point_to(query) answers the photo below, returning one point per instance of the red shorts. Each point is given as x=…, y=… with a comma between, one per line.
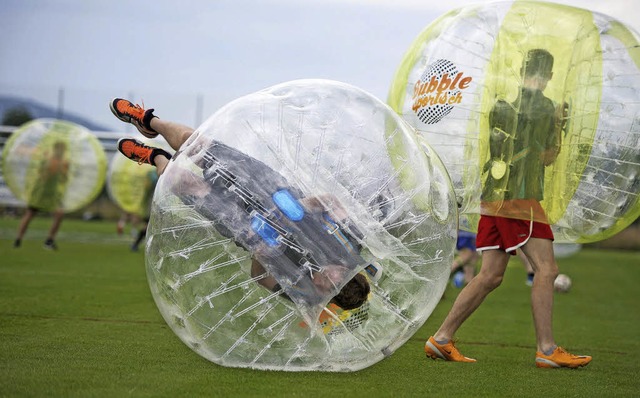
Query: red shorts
x=508, y=234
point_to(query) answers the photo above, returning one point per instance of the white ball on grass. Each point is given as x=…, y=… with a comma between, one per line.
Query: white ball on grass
x=562, y=284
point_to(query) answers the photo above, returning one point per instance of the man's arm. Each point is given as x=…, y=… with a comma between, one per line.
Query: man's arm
x=337, y=213
x=64, y=172
x=267, y=280
x=321, y=202
x=550, y=154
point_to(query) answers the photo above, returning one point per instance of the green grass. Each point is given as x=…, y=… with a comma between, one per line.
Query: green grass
x=81, y=322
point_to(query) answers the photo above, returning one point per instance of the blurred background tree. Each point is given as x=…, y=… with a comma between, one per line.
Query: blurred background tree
x=16, y=116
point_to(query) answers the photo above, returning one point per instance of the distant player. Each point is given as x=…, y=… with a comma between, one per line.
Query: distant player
x=463, y=268
x=46, y=192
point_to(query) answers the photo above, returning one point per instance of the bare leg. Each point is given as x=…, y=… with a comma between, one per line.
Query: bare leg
x=525, y=262
x=257, y=270
x=470, y=269
x=122, y=222
x=161, y=163
x=494, y=264
x=58, y=215
x=142, y=233
x=186, y=182
x=467, y=259
x=540, y=255
x=176, y=134
x=24, y=223
x=461, y=260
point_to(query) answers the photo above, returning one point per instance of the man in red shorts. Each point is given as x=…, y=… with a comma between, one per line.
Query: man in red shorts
x=525, y=138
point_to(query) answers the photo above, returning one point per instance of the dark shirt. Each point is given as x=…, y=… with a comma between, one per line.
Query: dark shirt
x=241, y=203
x=47, y=187
x=520, y=133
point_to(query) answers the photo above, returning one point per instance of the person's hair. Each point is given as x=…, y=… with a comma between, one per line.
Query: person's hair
x=537, y=62
x=60, y=146
x=354, y=293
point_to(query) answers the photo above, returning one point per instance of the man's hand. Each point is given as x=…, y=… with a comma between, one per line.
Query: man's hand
x=561, y=116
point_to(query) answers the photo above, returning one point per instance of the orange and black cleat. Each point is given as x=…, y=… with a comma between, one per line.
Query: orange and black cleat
x=132, y=113
x=139, y=152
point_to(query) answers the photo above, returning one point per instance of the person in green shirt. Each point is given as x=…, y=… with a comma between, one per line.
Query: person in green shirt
x=525, y=138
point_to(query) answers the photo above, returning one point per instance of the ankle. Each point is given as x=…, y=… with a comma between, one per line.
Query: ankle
x=441, y=339
x=148, y=117
x=158, y=152
x=548, y=350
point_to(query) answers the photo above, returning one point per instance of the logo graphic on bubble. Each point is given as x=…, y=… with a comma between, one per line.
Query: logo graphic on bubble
x=438, y=90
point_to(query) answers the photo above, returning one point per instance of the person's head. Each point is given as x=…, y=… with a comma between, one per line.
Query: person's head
x=537, y=69
x=59, y=148
x=538, y=62
x=353, y=294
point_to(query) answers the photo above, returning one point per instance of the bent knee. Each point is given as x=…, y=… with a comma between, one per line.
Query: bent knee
x=547, y=268
x=550, y=272
x=490, y=282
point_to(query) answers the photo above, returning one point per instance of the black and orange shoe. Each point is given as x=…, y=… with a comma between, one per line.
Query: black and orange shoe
x=139, y=152
x=132, y=113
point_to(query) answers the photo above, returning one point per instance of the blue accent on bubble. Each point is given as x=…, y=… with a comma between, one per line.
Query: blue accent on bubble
x=266, y=231
x=288, y=205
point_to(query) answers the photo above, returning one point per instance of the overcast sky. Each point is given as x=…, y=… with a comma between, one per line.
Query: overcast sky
x=169, y=52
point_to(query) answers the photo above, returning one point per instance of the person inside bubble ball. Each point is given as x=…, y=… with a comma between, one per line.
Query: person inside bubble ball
x=240, y=213
x=463, y=267
x=526, y=134
x=46, y=193
x=143, y=221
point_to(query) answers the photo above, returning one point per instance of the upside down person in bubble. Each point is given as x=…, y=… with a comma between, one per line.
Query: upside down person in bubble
x=525, y=138
x=254, y=206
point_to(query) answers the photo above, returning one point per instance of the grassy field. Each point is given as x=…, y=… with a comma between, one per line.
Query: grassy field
x=81, y=322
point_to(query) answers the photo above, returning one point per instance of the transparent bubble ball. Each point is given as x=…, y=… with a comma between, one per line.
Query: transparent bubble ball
x=54, y=164
x=315, y=180
x=464, y=62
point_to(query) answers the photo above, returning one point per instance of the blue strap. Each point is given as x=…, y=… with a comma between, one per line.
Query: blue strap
x=266, y=231
x=288, y=205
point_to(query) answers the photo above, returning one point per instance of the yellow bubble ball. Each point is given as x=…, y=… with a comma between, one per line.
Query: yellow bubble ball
x=53, y=164
x=533, y=107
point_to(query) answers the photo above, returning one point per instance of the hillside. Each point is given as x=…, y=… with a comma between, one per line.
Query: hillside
x=39, y=110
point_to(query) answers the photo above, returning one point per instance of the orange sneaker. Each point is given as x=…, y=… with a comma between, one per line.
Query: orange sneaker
x=132, y=113
x=448, y=351
x=560, y=358
x=139, y=152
